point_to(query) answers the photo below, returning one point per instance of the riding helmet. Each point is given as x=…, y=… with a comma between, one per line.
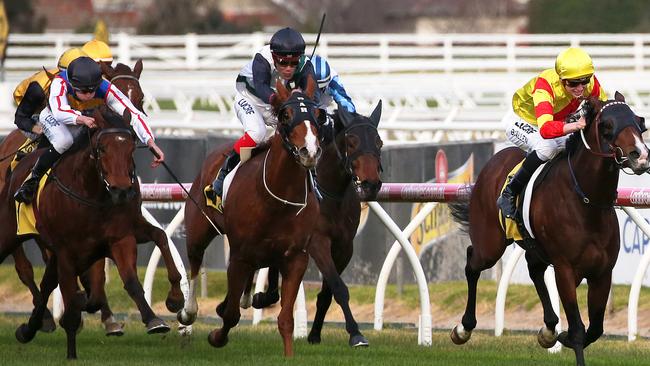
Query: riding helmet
x=68, y=56
x=574, y=63
x=287, y=41
x=84, y=74
x=98, y=51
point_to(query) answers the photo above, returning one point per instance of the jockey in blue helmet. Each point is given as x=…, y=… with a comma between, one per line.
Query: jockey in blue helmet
x=330, y=85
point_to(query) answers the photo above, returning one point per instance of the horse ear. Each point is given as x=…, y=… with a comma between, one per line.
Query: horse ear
x=311, y=87
x=641, y=122
x=107, y=70
x=281, y=96
x=126, y=116
x=345, y=116
x=137, y=69
x=376, y=114
x=619, y=97
x=49, y=74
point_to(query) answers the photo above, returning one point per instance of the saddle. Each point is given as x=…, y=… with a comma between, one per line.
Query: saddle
x=211, y=199
x=26, y=213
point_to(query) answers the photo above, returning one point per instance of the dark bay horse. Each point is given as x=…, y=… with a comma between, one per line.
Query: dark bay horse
x=94, y=184
x=127, y=81
x=348, y=172
x=572, y=219
x=269, y=214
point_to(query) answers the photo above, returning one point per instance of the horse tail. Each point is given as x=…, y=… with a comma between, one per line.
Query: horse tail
x=460, y=210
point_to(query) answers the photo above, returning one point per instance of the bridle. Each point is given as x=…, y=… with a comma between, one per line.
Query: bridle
x=137, y=81
x=304, y=109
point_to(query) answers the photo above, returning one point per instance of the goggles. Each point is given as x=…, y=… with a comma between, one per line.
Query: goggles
x=572, y=83
x=85, y=89
x=286, y=60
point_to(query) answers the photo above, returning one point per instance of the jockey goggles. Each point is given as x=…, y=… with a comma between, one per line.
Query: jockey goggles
x=84, y=89
x=286, y=60
x=572, y=83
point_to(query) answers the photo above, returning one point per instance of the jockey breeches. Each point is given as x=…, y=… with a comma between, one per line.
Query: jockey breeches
x=527, y=137
x=60, y=135
x=254, y=115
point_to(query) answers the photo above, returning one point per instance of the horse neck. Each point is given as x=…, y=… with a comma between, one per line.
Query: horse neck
x=332, y=176
x=284, y=176
x=77, y=169
x=597, y=176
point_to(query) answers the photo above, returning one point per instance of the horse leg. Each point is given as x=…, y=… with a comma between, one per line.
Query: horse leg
x=547, y=336
x=265, y=299
x=93, y=281
x=26, y=274
x=246, y=298
x=320, y=251
x=199, y=235
x=124, y=255
x=238, y=274
x=38, y=318
x=575, y=337
x=175, y=300
x=74, y=301
x=292, y=273
x=477, y=261
x=597, y=303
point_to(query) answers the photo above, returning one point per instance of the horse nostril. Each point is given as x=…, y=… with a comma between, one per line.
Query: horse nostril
x=634, y=155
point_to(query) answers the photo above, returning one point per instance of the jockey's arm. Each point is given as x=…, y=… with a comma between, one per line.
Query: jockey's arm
x=340, y=96
x=262, y=78
x=118, y=102
x=33, y=99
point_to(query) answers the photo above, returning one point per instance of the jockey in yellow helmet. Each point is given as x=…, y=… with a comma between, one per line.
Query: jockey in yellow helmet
x=30, y=94
x=541, y=107
x=98, y=51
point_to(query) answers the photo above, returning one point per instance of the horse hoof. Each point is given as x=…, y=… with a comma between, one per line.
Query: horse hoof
x=216, y=339
x=48, y=325
x=24, y=334
x=174, y=305
x=358, y=341
x=546, y=337
x=245, y=301
x=314, y=338
x=459, y=335
x=114, y=329
x=157, y=325
x=186, y=318
x=564, y=339
x=263, y=300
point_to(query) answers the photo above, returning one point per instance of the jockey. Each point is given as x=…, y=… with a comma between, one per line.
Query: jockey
x=98, y=51
x=77, y=89
x=283, y=59
x=30, y=95
x=330, y=85
x=542, y=106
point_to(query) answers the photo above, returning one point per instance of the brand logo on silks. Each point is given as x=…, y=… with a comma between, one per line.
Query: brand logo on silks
x=439, y=222
x=633, y=240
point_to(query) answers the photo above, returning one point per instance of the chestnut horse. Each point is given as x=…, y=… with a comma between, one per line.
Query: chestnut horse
x=127, y=81
x=94, y=183
x=269, y=214
x=572, y=218
x=348, y=172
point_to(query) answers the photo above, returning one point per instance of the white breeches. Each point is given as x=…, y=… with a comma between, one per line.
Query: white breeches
x=527, y=137
x=254, y=115
x=60, y=135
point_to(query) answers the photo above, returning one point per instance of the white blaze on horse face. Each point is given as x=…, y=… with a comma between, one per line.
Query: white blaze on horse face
x=310, y=140
x=643, y=150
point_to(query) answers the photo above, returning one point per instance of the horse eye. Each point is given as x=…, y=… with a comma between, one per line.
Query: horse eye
x=379, y=142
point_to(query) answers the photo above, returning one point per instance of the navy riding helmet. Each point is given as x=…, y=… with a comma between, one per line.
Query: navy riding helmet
x=287, y=42
x=84, y=74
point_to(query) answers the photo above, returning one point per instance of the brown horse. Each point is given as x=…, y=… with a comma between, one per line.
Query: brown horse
x=127, y=81
x=348, y=171
x=572, y=218
x=269, y=214
x=94, y=183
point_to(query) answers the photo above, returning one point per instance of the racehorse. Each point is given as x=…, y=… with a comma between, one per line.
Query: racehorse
x=572, y=218
x=94, y=183
x=269, y=213
x=349, y=171
x=127, y=81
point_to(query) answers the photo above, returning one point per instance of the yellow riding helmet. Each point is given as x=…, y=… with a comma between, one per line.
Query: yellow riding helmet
x=98, y=51
x=68, y=56
x=574, y=63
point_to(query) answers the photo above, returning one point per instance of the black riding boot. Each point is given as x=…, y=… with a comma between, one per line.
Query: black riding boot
x=507, y=201
x=232, y=159
x=26, y=192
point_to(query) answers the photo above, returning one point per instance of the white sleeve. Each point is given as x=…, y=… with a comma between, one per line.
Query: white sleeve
x=118, y=102
x=58, y=101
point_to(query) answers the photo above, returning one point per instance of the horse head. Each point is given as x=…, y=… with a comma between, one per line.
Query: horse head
x=359, y=149
x=616, y=131
x=127, y=81
x=112, y=148
x=297, y=122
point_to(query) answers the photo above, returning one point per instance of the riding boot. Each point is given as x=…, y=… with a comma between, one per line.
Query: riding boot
x=232, y=159
x=507, y=201
x=26, y=192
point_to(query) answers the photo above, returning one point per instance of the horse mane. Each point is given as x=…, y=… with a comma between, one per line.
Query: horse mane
x=591, y=107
